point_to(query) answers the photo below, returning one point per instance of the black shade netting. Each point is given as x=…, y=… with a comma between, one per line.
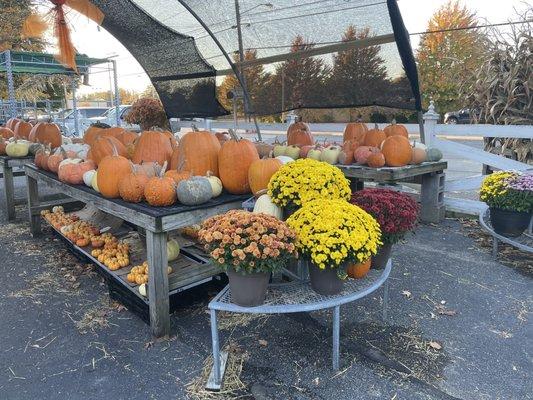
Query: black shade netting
x=298, y=54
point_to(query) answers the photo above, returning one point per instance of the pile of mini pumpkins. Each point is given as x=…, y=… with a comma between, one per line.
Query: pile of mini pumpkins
x=361, y=145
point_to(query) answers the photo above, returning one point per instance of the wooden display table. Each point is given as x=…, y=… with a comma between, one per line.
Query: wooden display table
x=157, y=222
x=429, y=174
x=8, y=163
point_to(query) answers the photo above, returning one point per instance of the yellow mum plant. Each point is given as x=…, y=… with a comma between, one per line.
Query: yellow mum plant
x=334, y=233
x=304, y=180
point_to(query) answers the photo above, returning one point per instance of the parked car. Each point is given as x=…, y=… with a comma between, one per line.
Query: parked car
x=66, y=120
x=109, y=117
x=463, y=116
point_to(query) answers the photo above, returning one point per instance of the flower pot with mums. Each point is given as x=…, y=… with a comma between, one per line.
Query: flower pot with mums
x=509, y=196
x=304, y=180
x=396, y=213
x=332, y=234
x=248, y=247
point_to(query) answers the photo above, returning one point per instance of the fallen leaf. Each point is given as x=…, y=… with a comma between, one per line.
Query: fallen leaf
x=406, y=293
x=435, y=345
x=147, y=345
x=443, y=302
x=263, y=342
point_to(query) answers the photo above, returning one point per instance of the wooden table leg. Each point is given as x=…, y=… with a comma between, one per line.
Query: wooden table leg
x=156, y=246
x=431, y=197
x=33, y=203
x=9, y=189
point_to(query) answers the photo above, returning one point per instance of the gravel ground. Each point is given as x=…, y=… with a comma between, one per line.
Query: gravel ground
x=459, y=328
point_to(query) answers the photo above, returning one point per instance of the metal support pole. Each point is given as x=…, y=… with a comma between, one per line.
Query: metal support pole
x=10, y=85
x=117, y=92
x=216, y=348
x=336, y=336
x=73, y=85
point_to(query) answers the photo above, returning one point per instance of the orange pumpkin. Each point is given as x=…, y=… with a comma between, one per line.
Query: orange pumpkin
x=376, y=160
x=197, y=152
x=73, y=172
x=178, y=176
x=222, y=137
x=111, y=170
x=55, y=159
x=3, y=145
x=299, y=134
x=350, y=145
x=11, y=123
x=23, y=129
x=355, y=131
x=172, y=138
x=131, y=187
x=127, y=138
x=44, y=132
x=374, y=137
x=5, y=132
x=104, y=146
x=396, y=129
x=234, y=160
x=346, y=157
x=358, y=271
x=261, y=171
x=41, y=157
x=93, y=131
x=160, y=190
x=150, y=169
x=362, y=153
x=152, y=146
x=397, y=151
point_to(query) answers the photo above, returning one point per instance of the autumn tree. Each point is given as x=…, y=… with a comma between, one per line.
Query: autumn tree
x=446, y=60
x=358, y=75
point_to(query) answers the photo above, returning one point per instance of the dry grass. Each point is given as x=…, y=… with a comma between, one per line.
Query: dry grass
x=233, y=387
x=230, y=321
x=42, y=285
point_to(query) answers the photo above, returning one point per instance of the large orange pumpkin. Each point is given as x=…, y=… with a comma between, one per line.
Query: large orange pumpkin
x=12, y=122
x=261, y=171
x=93, y=131
x=355, y=131
x=234, y=160
x=23, y=129
x=197, y=153
x=396, y=129
x=5, y=132
x=160, y=190
x=111, y=170
x=152, y=146
x=374, y=137
x=104, y=146
x=44, y=132
x=299, y=134
x=397, y=151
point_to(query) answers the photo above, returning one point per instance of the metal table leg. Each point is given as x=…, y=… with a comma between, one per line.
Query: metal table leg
x=33, y=203
x=214, y=382
x=9, y=189
x=156, y=248
x=494, y=248
x=336, y=336
x=385, y=300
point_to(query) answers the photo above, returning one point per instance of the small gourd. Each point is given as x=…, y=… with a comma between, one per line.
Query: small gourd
x=194, y=191
x=94, y=182
x=264, y=205
x=173, y=250
x=434, y=154
x=88, y=177
x=17, y=148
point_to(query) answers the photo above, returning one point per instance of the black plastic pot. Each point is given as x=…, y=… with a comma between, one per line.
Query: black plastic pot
x=509, y=223
x=325, y=281
x=248, y=290
x=379, y=261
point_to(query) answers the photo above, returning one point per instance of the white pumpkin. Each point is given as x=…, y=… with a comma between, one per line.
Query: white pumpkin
x=284, y=159
x=18, y=148
x=331, y=154
x=264, y=205
x=88, y=177
x=173, y=250
x=418, y=145
x=143, y=290
x=216, y=184
x=314, y=154
x=94, y=181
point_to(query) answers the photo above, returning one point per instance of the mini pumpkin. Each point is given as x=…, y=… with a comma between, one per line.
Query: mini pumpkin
x=397, y=151
x=358, y=271
x=194, y=191
x=216, y=184
x=434, y=154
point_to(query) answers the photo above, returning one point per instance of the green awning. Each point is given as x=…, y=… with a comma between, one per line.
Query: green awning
x=24, y=62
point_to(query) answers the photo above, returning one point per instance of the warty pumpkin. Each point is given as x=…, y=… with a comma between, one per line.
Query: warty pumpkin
x=160, y=190
x=397, y=151
x=5, y=132
x=104, y=146
x=234, y=160
x=355, y=131
x=22, y=129
x=111, y=170
x=396, y=129
x=299, y=134
x=152, y=146
x=376, y=160
x=131, y=187
x=260, y=172
x=197, y=152
x=374, y=137
x=44, y=132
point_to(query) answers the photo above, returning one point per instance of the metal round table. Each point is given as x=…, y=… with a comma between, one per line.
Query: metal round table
x=523, y=242
x=292, y=297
